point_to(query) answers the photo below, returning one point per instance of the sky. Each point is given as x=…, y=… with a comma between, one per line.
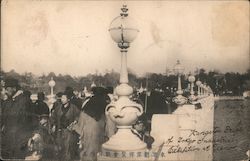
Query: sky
x=72, y=37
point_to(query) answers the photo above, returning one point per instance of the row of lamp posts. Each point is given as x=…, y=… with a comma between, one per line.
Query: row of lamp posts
x=203, y=89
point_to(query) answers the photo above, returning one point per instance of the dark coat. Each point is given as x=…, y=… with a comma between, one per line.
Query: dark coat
x=42, y=108
x=66, y=139
x=76, y=101
x=56, y=104
x=17, y=127
x=156, y=104
x=96, y=105
x=62, y=119
x=48, y=143
x=34, y=118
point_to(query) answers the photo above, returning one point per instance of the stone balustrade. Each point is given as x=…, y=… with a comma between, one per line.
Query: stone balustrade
x=187, y=134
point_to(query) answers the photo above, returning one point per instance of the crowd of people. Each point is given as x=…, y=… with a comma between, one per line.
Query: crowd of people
x=73, y=128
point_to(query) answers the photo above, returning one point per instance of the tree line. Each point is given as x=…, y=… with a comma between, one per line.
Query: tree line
x=229, y=83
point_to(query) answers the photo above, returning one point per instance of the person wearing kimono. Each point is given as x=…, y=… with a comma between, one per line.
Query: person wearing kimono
x=91, y=125
x=62, y=119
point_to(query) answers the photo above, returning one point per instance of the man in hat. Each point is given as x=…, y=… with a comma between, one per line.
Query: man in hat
x=62, y=119
x=73, y=98
x=140, y=130
x=58, y=102
x=16, y=128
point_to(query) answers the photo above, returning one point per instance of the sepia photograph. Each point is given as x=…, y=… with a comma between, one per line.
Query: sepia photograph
x=125, y=80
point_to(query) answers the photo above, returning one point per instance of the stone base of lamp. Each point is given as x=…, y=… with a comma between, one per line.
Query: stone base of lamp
x=142, y=155
x=124, y=140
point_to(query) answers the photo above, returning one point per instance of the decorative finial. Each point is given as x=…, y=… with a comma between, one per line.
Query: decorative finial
x=124, y=11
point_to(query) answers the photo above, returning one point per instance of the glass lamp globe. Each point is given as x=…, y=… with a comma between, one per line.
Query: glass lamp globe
x=123, y=29
x=52, y=83
x=198, y=83
x=178, y=69
x=191, y=78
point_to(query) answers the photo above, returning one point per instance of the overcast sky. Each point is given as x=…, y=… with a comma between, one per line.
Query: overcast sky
x=71, y=37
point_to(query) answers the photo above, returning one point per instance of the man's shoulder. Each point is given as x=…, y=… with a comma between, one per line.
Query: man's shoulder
x=43, y=104
x=22, y=98
x=57, y=108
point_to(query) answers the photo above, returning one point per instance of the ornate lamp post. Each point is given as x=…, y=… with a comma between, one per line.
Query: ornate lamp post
x=206, y=90
x=179, y=99
x=123, y=112
x=191, y=79
x=52, y=83
x=51, y=97
x=198, y=83
x=202, y=89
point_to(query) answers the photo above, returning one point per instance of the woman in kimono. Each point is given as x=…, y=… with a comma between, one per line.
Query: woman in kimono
x=62, y=119
x=91, y=124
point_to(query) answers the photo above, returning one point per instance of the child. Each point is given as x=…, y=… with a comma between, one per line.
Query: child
x=140, y=130
x=41, y=145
